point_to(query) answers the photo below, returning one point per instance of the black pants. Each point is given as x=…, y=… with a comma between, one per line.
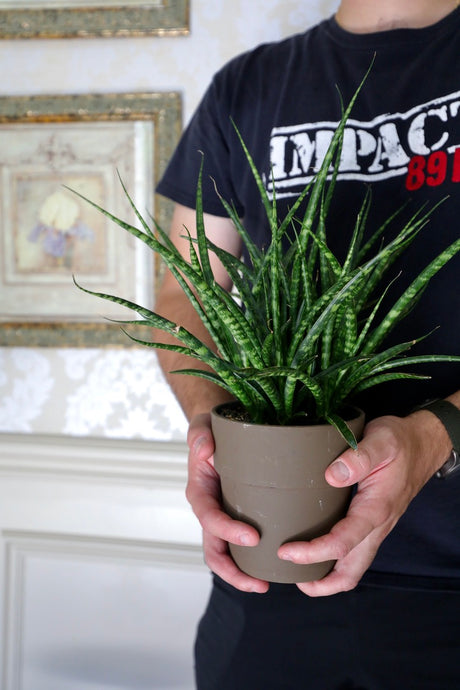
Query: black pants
x=373, y=638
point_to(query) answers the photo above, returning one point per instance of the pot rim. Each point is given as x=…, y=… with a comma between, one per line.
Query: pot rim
x=356, y=413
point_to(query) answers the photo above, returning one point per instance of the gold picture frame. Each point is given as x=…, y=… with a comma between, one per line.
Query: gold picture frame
x=48, y=234
x=93, y=18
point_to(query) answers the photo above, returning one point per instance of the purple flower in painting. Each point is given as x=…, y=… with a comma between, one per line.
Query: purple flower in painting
x=59, y=225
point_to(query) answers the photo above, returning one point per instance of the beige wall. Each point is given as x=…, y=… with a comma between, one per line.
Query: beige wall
x=121, y=393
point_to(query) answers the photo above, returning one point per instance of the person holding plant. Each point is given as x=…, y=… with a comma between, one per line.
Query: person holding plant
x=386, y=617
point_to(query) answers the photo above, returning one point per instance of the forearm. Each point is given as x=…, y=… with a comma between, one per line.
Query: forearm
x=194, y=394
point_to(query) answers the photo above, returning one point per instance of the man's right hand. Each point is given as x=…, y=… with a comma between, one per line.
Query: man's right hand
x=204, y=495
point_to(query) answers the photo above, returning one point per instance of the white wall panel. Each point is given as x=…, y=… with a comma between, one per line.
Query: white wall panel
x=101, y=571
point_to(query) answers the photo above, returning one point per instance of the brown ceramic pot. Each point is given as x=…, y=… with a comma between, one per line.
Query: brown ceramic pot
x=272, y=477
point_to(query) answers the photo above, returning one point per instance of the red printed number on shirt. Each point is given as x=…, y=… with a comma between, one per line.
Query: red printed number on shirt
x=432, y=170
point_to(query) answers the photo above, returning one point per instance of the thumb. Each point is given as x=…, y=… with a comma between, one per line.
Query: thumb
x=375, y=450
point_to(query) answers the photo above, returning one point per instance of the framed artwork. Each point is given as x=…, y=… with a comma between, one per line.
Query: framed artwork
x=89, y=18
x=48, y=234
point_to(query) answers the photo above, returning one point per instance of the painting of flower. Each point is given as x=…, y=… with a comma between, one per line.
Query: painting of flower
x=82, y=142
x=59, y=229
x=55, y=235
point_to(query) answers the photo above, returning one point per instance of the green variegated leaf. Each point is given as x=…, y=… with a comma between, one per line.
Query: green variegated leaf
x=420, y=359
x=373, y=381
x=408, y=298
x=343, y=429
x=303, y=331
x=201, y=232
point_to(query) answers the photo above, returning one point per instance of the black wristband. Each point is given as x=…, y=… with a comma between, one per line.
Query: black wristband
x=449, y=415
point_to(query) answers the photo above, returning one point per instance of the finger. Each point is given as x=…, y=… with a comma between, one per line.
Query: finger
x=346, y=573
x=200, y=439
x=221, y=563
x=377, y=448
x=203, y=488
x=364, y=516
x=335, y=545
x=217, y=523
x=204, y=495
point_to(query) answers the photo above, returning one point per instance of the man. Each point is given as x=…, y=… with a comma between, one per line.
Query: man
x=404, y=141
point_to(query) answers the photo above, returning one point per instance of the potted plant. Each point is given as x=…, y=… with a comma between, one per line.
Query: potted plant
x=302, y=335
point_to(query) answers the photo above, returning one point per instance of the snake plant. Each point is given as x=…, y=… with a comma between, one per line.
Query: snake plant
x=304, y=332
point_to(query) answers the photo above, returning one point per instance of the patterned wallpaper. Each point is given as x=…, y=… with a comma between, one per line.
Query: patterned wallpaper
x=115, y=392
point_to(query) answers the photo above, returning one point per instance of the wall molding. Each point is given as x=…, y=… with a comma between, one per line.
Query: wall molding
x=81, y=517
x=21, y=548
x=93, y=457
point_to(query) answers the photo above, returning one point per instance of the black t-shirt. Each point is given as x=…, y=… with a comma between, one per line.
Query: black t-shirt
x=402, y=140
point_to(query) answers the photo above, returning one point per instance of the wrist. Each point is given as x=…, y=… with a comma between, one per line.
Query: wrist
x=433, y=442
x=445, y=431
x=449, y=415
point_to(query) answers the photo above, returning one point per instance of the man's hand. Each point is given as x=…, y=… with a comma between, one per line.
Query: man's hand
x=393, y=462
x=203, y=493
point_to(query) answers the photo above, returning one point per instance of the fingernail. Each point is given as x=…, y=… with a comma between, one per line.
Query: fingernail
x=340, y=471
x=198, y=443
x=286, y=557
x=244, y=539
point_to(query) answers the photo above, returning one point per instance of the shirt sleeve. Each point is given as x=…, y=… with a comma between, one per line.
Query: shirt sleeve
x=207, y=140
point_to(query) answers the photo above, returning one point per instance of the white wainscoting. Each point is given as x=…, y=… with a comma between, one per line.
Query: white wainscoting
x=101, y=572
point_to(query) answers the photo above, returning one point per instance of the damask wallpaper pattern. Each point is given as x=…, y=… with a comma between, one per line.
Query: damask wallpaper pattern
x=115, y=392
